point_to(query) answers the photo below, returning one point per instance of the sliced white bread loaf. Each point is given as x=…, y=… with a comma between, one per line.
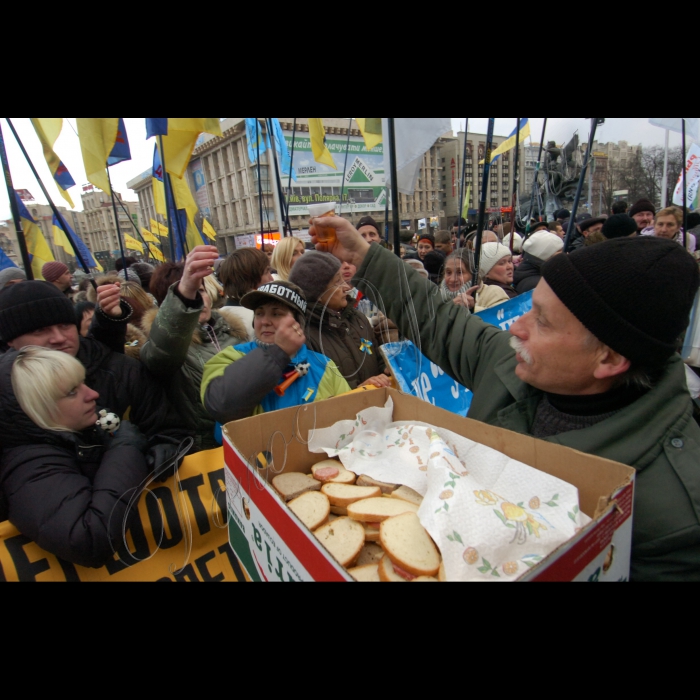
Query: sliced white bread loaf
x=343, y=495
x=292, y=485
x=387, y=573
x=376, y=510
x=332, y=472
x=403, y=493
x=371, y=554
x=366, y=574
x=313, y=509
x=369, y=481
x=409, y=546
x=344, y=539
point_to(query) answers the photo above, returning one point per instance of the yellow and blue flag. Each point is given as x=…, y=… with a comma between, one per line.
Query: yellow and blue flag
x=121, y=150
x=318, y=143
x=159, y=186
x=98, y=138
x=509, y=143
x=282, y=149
x=156, y=127
x=255, y=138
x=63, y=237
x=5, y=262
x=48, y=130
x=37, y=247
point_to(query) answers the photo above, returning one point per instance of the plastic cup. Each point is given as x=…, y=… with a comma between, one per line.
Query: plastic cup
x=320, y=211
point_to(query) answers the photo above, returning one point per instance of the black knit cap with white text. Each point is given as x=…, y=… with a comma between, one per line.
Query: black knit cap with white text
x=634, y=294
x=284, y=292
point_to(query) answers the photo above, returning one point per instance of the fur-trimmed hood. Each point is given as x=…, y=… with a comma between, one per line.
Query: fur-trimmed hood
x=224, y=323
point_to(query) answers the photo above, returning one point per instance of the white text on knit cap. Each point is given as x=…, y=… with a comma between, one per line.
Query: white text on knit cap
x=285, y=293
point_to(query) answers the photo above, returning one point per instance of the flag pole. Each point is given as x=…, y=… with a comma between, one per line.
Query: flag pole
x=278, y=178
x=21, y=241
x=535, y=184
x=595, y=122
x=260, y=192
x=394, y=185
x=291, y=169
x=138, y=233
x=462, y=185
x=685, y=189
x=166, y=185
x=345, y=168
x=54, y=208
x=116, y=223
x=664, y=186
x=516, y=184
x=482, y=199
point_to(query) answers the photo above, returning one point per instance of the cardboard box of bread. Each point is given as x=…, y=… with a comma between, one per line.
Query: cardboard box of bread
x=295, y=515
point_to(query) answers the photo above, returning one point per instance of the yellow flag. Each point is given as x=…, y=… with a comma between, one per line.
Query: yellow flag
x=148, y=236
x=60, y=239
x=132, y=244
x=48, y=129
x=182, y=138
x=159, y=228
x=159, y=198
x=97, y=138
x=467, y=202
x=318, y=143
x=208, y=230
x=371, y=128
x=155, y=253
x=37, y=247
x=185, y=200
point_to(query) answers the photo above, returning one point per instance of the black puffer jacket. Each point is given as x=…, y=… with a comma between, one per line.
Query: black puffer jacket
x=339, y=336
x=527, y=275
x=67, y=492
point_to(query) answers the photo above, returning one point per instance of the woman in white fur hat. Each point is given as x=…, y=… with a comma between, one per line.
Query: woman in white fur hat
x=496, y=273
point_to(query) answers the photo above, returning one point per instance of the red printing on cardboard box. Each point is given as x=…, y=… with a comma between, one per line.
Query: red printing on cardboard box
x=572, y=562
x=311, y=554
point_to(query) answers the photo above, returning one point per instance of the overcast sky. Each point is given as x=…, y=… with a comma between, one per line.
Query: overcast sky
x=636, y=130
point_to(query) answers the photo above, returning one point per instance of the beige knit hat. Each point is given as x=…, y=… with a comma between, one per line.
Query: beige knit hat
x=491, y=255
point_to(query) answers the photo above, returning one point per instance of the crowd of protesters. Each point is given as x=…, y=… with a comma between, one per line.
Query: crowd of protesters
x=171, y=353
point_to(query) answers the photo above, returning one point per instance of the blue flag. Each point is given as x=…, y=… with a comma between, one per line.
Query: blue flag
x=5, y=262
x=78, y=242
x=157, y=165
x=156, y=127
x=282, y=149
x=254, y=136
x=506, y=314
x=121, y=150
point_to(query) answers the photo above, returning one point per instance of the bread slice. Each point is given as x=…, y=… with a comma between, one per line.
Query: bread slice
x=409, y=546
x=386, y=489
x=403, y=493
x=387, y=573
x=313, y=509
x=292, y=485
x=442, y=574
x=344, y=539
x=371, y=533
x=425, y=579
x=343, y=476
x=366, y=574
x=377, y=510
x=371, y=554
x=340, y=512
x=343, y=495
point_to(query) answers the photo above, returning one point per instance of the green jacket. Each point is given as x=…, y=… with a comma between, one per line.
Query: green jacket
x=656, y=435
x=176, y=352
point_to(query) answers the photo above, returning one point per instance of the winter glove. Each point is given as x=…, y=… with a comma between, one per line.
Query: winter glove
x=165, y=457
x=128, y=435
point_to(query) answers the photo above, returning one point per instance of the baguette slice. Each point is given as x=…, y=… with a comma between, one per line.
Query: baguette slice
x=377, y=510
x=387, y=573
x=343, y=495
x=409, y=495
x=344, y=539
x=313, y=509
x=409, y=546
x=366, y=574
x=292, y=485
x=386, y=489
x=344, y=476
x=370, y=554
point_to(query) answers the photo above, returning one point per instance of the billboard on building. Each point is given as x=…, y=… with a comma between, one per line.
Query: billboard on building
x=201, y=194
x=316, y=183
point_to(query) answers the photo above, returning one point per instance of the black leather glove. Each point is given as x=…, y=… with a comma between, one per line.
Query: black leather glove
x=128, y=435
x=165, y=456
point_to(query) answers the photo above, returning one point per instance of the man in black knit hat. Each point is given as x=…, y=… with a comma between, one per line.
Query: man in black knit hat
x=590, y=367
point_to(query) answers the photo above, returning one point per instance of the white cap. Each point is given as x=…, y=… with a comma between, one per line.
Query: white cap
x=491, y=255
x=543, y=245
x=517, y=245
